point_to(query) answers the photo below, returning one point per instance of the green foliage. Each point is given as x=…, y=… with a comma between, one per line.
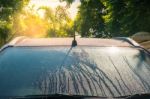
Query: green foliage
x=68, y=1
x=59, y=22
x=90, y=20
x=110, y=18
x=95, y=18
x=5, y=30
x=128, y=16
x=9, y=7
x=7, y=10
x=29, y=24
x=52, y=23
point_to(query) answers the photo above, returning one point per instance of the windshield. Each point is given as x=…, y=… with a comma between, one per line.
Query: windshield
x=90, y=71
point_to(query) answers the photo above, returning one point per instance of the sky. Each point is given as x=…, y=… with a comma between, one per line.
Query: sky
x=54, y=3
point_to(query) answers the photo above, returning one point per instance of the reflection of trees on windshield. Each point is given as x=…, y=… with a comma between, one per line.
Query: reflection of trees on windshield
x=84, y=76
x=142, y=58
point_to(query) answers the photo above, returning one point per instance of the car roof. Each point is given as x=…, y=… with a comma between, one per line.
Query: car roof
x=120, y=42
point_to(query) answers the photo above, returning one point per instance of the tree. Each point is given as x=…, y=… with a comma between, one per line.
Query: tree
x=90, y=20
x=59, y=22
x=53, y=23
x=105, y=18
x=28, y=23
x=137, y=18
x=116, y=11
x=128, y=16
x=4, y=31
x=7, y=10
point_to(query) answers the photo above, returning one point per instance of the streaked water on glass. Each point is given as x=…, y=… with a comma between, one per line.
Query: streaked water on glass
x=92, y=71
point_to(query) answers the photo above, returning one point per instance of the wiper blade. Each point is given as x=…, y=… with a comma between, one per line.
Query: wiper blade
x=139, y=96
x=63, y=96
x=136, y=96
x=58, y=96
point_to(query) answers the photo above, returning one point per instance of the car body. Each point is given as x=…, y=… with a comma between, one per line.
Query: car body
x=95, y=67
x=143, y=38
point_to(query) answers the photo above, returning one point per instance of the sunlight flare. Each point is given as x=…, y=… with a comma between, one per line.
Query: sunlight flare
x=73, y=9
x=113, y=50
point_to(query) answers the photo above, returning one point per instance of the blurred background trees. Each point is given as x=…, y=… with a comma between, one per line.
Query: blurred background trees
x=111, y=18
x=58, y=21
x=7, y=10
x=90, y=21
x=127, y=17
x=95, y=18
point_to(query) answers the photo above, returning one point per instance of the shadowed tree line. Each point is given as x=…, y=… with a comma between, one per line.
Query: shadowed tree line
x=111, y=18
x=95, y=18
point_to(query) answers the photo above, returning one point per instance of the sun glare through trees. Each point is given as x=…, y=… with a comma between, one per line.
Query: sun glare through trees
x=61, y=18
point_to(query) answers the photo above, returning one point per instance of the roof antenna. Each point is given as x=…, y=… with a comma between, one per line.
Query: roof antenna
x=74, y=42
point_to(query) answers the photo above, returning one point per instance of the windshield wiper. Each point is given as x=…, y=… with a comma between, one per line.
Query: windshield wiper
x=136, y=96
x=63, y=96
x=58, y=96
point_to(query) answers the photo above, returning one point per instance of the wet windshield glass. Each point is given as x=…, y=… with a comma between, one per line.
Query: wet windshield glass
x=92, y=71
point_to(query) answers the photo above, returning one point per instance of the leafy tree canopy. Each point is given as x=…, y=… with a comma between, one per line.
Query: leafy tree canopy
x=110, y=18
x=90, y=19
x=7, y=10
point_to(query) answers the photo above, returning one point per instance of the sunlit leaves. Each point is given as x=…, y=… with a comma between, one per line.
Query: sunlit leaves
x=52, y=23
x=59, y=22
x=29, y=24
x=68, y=1
x=10, y=7
x=7, y=10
